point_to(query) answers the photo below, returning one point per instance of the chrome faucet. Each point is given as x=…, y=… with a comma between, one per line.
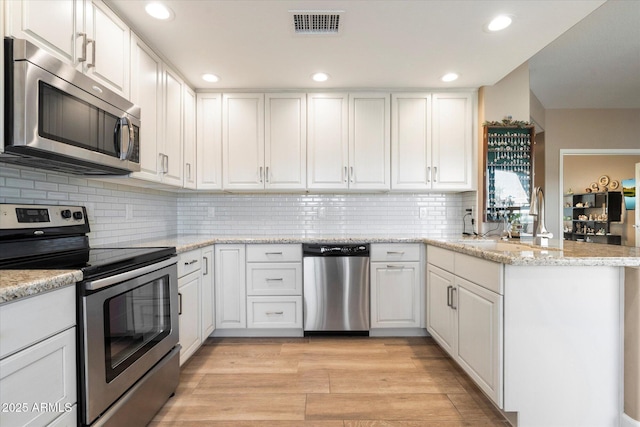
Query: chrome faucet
x=541, y=235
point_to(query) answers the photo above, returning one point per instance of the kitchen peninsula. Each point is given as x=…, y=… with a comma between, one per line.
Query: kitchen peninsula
x=554, y=346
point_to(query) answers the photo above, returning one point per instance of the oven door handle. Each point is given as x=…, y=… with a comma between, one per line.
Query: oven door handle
x=94, y=285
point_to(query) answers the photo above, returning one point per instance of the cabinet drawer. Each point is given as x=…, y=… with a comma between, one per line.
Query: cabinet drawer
x=51, y=364
x=274, y=279
x=487, y=274
x=395, y=252
x=188, y=262
x=442, y=258
x=29, y=320
x=274, y=312
x=274, y=253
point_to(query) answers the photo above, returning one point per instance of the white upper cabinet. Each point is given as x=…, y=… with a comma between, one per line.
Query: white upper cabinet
x=146, y=92
x=172, y=126
x=85, y=34
x=285, y=145
x=411, y=141
x=243, y=141
x=51, y=25
x=452, y=151
x=189, y=139
x=209, y=141
x=107, y=59
x=328, y=141
x=369, y=141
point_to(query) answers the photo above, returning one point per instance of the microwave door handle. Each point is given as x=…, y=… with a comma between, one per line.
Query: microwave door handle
x=119, y=138
x=131, y=140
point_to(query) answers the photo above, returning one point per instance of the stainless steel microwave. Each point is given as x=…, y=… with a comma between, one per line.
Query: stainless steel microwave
x=56, y=118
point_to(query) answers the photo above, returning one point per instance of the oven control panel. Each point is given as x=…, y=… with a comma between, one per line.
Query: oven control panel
x=40, y=216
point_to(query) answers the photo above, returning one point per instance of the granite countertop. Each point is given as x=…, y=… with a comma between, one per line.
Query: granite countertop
x=15, y=284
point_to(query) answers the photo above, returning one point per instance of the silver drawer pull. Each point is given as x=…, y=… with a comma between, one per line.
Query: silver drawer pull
x=397, y=267
x=275, y=313
x=395, y=252
x=279, y=279
x=193, y=261
x=273, y=253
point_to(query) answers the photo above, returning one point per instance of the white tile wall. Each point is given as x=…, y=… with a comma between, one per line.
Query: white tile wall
x=308, y=215
x=154, y=212
x=158, y=214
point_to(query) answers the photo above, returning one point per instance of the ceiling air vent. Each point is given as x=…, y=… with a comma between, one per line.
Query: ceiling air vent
x=316, y=22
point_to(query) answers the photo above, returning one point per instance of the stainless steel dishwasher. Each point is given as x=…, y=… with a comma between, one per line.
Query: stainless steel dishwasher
x=336, y=288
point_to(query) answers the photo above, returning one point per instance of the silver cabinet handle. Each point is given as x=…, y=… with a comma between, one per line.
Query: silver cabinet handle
x=273, y=253
x=449, y=288
x=395, y=252
x=279, y=279
x=166, y=164
x=92, y=64
x=275, y=313
x=266, y=174
x=455, y=307
x=260, y=173
x=188, y=171
x=435, y=174
x=83, y=58
x=193, y=261
x=351, y=173
x=179, y=303
x=205, y=266
x=428, y=173
x=395, y=267
x=345, y=174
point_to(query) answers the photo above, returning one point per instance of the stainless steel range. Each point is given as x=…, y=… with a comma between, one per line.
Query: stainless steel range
x=127, y=307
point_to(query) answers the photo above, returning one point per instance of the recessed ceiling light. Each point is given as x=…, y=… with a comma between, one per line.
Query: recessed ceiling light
x=158, y=11
x=320, y=77
x=499, y=23
x=449, y=77
x=211, y=78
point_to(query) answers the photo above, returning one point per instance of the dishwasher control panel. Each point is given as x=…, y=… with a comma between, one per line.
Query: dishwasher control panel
x=351, y=249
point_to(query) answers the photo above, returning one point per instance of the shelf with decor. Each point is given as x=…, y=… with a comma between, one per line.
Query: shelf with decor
x=588, y=217
x=508, y=167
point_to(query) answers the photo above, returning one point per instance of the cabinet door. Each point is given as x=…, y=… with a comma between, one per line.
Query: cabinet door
x=285, y=145
x=209, y=141
x=42, y=373
x=441, y=318
x=108, y=55
x=189, y=314
x=452, y=149
x=369, y=141
x=396, y=297
x=189, y=139
x=52, y=25
x=411, y=142
x=479, y=347
x=207, y=300
x=172, y=144
x=146, y=91
x=230, y=288
x=327, y=141
x=243, y=141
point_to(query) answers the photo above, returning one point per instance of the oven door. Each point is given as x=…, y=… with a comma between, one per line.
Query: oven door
x=125, y=329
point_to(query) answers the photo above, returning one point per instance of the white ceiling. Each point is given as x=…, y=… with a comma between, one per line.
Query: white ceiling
x=383, y=43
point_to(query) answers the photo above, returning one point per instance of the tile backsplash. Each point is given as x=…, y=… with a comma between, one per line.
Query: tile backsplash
x=120, y=213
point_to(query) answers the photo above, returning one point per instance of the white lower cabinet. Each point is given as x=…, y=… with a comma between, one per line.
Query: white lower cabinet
x=189, y=314
x=274, y=311
x=230, y=288
x=465, y=318
x=38, y=360
x=196, y=299
x=397, y=293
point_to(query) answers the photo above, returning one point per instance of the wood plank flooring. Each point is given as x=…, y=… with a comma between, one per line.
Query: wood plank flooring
x=325, y=382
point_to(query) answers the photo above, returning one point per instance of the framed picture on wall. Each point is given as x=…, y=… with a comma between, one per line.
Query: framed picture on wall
x=629, y=193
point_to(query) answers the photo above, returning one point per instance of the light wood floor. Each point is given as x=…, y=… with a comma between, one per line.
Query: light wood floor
x=325, y=382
